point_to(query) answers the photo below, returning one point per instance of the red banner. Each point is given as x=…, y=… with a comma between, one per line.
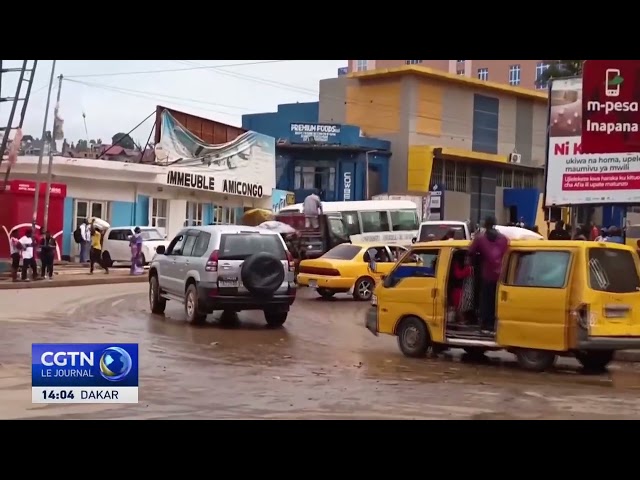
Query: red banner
x=611, y=106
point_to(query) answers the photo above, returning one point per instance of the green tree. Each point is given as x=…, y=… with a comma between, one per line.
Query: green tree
x=123, y=140
x=82, y=146
x=561, y=69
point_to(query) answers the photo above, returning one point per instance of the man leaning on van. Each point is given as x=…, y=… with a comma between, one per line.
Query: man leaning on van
x=312, y=207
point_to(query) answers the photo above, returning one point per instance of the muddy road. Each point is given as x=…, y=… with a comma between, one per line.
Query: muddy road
x=323, y=365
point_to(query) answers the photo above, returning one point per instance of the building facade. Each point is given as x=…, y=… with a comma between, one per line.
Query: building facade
x=128, y=194
x=516, y=73
x=333, y=157
x=452, y=131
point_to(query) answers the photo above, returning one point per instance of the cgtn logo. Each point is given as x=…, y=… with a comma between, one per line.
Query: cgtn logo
x=84, y=373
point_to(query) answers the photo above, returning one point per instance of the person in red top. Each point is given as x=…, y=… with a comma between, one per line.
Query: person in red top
x=460, y=272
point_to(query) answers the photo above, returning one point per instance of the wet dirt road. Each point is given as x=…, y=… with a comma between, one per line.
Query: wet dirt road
x=323, y=365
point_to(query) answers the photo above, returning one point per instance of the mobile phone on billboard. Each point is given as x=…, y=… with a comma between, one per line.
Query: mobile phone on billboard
x=613, y=88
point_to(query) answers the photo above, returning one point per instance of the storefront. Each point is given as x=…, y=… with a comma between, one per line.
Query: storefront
x=168, y=198
x=335, y=159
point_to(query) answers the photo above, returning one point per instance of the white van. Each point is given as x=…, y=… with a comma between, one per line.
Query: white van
x=439, y=228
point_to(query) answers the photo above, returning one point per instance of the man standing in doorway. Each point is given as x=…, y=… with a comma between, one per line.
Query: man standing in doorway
x=312, y=207
x=491, y=246
x=85, y=243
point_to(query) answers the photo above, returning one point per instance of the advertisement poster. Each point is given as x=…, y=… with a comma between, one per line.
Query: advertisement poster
x=610, y=113
x=244, y=166
x=573, y=177
x=281, y=199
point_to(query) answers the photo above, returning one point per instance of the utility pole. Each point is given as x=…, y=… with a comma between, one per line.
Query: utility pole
x=44, y=134
x=47, y=192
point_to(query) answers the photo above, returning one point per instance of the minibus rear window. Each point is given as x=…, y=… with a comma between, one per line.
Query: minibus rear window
x=613, y=271
x=437, y=231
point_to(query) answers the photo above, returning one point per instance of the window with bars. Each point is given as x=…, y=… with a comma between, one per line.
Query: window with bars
x=483, y=74
x=413, y=62
x=453, y=174
x=517, y=179
x=362, y=65
x=528, y=180
x=223, y=215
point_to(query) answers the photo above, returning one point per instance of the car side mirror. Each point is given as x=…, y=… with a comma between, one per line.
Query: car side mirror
x=414, y=240
x=383, y=277
x=160, y=250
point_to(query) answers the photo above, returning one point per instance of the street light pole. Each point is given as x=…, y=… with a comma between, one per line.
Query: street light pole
x=47, y=192
x=44, y=134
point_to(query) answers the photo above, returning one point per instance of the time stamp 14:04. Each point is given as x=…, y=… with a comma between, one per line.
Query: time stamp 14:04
x=78, y=395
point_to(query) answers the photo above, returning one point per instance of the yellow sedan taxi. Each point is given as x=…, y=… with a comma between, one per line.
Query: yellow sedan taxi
x=345, y=268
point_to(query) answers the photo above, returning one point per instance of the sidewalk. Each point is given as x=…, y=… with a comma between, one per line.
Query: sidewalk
x=76, y=277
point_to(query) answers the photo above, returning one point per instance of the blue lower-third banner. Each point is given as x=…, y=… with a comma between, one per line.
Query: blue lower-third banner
x=84, y=372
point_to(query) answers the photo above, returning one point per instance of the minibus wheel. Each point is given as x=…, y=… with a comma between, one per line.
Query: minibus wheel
x=535, y=360
x=413, y=337
x=594, y=360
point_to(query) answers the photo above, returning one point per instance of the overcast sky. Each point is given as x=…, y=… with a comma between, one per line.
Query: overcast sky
x=115, y=101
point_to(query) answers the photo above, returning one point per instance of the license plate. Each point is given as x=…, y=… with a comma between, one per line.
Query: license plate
x=228, y=283
x=615, y=313
x=313, y=283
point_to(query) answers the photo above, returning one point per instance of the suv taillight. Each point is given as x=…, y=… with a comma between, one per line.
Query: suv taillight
x=292, y=262
x=212, y=263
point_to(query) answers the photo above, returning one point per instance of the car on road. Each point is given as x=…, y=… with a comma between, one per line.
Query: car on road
x=554, y=298
x=115, y=244
x=345, y=268
x=224, y=267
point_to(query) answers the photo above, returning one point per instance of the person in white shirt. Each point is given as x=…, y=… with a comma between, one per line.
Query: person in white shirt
x=28, y=262
x=312, y=207
x=85, y=244
x=16, y=247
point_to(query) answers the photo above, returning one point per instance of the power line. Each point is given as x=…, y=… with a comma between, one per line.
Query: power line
x=147, y=97
x=392, y=108
x=173, y=97
x=168, y=70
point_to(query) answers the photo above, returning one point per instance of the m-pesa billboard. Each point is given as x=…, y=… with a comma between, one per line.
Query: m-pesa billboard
x=574, y=176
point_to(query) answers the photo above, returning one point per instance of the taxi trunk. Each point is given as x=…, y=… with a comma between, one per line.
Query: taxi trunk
x=612, y=306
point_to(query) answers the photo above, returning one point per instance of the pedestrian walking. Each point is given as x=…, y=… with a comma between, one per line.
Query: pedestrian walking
x=559, y=232
x=312, y=207
x=84, y=234
x=47, y=255
x=95, y=254
x=135, y=244
x=28, y=261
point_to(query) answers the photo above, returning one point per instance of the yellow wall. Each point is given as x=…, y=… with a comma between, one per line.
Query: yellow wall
x=428, y=108
x=374, y=106
x=542, y=225
x=419, y=165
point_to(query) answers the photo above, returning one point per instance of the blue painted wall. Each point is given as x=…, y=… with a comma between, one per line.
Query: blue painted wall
x=485, y=124
x=141, y=211
x=122, y=213
x=346, y=154
x=525, y=200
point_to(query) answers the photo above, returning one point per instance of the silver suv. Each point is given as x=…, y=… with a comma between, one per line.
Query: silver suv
x=224, y=267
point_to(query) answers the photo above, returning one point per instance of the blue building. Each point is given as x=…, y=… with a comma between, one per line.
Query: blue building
x=331, y=157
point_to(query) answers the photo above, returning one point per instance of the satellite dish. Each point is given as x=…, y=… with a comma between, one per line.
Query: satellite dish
x=161, y=154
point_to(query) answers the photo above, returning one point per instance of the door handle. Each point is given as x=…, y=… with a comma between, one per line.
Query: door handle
x=504, y=296
x=434, y=293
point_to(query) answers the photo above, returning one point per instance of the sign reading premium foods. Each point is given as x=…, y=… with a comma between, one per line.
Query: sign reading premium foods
x=207, y=182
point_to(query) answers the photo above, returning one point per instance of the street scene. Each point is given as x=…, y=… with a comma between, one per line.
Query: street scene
x=322, y=365
x=390, y=239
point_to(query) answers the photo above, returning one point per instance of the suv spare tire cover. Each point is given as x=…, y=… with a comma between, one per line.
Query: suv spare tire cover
x=262, y=273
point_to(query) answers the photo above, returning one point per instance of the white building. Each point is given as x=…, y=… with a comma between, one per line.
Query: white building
x=167, y=197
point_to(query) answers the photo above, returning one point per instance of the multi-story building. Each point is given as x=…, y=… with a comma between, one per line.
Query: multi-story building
x=517, y=73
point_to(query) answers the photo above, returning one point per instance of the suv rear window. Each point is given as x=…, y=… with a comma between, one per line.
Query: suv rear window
x=342, y=252
x=612, y=271
x=439, y=231
x=239, y=246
